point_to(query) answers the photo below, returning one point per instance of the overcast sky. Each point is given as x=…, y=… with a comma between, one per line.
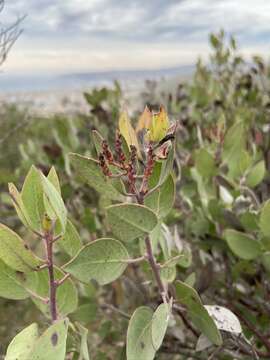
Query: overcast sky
x=89, y=35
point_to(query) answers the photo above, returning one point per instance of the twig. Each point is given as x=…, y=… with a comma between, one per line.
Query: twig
x=57, y=238
x=32, y=293
x=60, y=282
x=134, y=261
x=48, y=236
x=114, y=308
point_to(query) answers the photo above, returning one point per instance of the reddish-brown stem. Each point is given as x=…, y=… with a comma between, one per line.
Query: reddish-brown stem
x=152, y=261
x=155, y=268
x=52, y=283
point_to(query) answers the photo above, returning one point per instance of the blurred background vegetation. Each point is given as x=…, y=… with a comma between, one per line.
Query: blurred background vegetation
x=223, y=110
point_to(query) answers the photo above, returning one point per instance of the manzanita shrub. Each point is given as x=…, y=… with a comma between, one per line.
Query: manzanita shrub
x=179, y=248
x=135, y=174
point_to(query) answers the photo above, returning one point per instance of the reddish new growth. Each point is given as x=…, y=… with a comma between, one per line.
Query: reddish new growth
x=107, y=152
x=126, y=166
x=120, y=156
x=131, y=172
x=105, y=169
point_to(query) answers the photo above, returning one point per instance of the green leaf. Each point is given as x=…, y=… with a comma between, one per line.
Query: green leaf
x=234, y=144
x=139, y=335
x=162, y=199
x=84, y=354
x=15, y=253
x=205, y=163
x=197, y=312
x=10, y=285
x=55, y=201
x=130, y=221
x=89, y=171
x=159, y=324
x=97, y=139
x=85, y=313
x=51, y=345
x=70, y=242
x=53, y=177
x=256, y=174
x=20, y=346
x=32, y=198
x=186, y=259
x=146, y=331
x=66, y=296
x=19, y=206
x=168, y=273
x=242, y=245
x=265, y=219
x=103, y=260
x=166, y=166
x=127, y=131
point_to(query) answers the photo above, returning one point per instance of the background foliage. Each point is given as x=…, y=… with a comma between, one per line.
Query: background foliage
x=219, y=221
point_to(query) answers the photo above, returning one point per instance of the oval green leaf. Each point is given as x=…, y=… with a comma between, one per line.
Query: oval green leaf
x=197, y=312
x=139, y=335
x=32, y=198
x=10, y=285
x=70, y=242
x=15, y=253
x=159, y=324
x=103, y=260
x=51, y=345
x=130, y=221
x=161, y=200
x=256, y=174
x=242, y=245
x=89, y=171
x=21, y=345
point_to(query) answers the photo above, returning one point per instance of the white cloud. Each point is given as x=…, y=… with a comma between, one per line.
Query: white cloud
x=70, y=35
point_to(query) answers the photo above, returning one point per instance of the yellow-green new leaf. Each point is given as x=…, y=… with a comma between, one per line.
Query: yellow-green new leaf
x=130, y=221
x=127, y=131
x=103, y=260
x=159, y=125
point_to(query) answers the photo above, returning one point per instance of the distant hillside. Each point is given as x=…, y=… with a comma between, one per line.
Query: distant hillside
x=10, y=83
